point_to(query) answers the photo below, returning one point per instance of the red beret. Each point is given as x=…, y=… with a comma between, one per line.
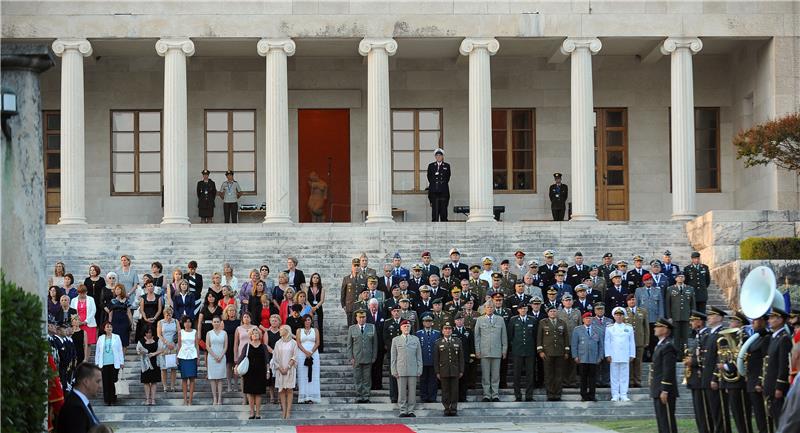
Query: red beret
x=404, y=322
x=586, y=314
x=647, y=277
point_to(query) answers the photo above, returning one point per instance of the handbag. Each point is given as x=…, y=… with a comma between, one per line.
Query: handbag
x=244, y=364
x=171, y=360
x=122, y=387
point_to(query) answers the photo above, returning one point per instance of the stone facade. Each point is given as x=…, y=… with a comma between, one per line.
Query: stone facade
x=729, y=278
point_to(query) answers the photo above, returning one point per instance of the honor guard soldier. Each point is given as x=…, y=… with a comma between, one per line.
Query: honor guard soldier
x=663, y=380
x=350, y=291
x=776, y=370
x=458, y=270
x=637, y=318
x=522, y=342
x=577, y=272
x=698, y=276
x=547, y=271
x=754, y=370
x=732, y=381
x=587, y=352
x=507, y=278
x=710, y=376
x=678, y=305
x=518, y=298
x=607, y=267
x=362, y=350
x=477, y=285
x=467, y=380
x=427, y=268
x=693, y=371
x=448, y=361
x=391, y=329
x=553, y=349
x=558, y=193
x=407, y=313
x=617, y=292
x=427, y=337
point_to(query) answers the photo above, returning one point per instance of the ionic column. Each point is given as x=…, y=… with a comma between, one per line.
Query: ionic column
x=379, y=163
x=582, y=162
x=73, y=182
x=277, y=129
x=481, y=198
x=681, y=51
x=176, y=198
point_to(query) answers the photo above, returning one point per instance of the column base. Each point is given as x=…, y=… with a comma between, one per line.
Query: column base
x=683, y=217
x=481, y=217
x=72, y=221
x=379, y=219
x=583, y=217
x=275, y=219
x=176, y=221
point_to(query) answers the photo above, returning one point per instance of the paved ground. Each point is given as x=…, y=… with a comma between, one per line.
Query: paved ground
x=422, y=428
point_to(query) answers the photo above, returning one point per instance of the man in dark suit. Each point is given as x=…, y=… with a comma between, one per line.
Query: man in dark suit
x=375, y=317
x=386, y=281
x=663, y=381
x=558, y=198
x=439, y=186
x=76, y=415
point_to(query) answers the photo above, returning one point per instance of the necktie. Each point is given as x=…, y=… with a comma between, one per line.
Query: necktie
x=589, y=331
x=491, y=319
x=523, y=320
x=362, y=329
x=95, y=421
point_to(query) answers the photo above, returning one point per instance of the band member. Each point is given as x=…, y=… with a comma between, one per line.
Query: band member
x=663, y=383
x=710, y=379
x=776, y=371
x=733, y=381
x=693, y=373
x=754, y=370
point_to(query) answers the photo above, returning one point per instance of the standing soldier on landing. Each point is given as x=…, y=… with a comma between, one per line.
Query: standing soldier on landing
x=678, y=306
x=558, y=198
x=439, y=186
x=698, y=276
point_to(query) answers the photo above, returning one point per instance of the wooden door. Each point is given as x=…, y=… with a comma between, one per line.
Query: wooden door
x=51, y=125
x=611, y=163
x=323, y=140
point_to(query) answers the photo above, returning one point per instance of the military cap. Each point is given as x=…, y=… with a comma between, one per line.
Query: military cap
x=505, y=262
x=714, y=310
x=363, y=289
x=581, y=288
x=404, y=299
x=396, y=255
x=459, y=315
x=566, y=297
x=416, y=267
x=738, y=315
x=548, y=253
x=696, y=315
x=519, y=253
x=552, y=290
x=395, y=286
x=557, y=175
x=424, y=288
x=438, y=151
x=360, y=313
x=372, y=278
x=586, y=314
x=487, y=260
x=498, y=293
x=560, y=273
x=778, y=312
x=427, y=317
x=548, y=309
x=630, y=296
x=638, y=258
x=355, y=261
x=578, y=254
x=533, y=264
x=647, y=277
x=497, y=275
x=405, y=322
x=474, y=268
x=655, y=262
x=536, y=300
x=622, y=262
x=663, y=323
x=401, y=279
x=667, y=253
x=426, y=254
x=615, y=274
x=454, y=251
x=205, y=171
x=447, y=325
x=563, y=264
x=522, y=305
x=600, y=305
x=608, y=255
x=455, y=289
x=519, y=283
x=594, y=267
x=618, y=310
x=437, y=301
x=229, y=172
x=695, y=255
x=394, y=307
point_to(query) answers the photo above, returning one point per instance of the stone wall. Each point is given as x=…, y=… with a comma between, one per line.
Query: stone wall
x=729, y=278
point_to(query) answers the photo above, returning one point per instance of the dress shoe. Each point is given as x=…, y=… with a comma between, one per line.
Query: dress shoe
x=517, y=398
x=624, y=399
x=529, y=399
x=411, y=415
x=495, y=399
x=403, y=415
x=485, y=399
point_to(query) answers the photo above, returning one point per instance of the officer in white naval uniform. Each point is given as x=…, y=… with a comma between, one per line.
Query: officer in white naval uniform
x=620, y=348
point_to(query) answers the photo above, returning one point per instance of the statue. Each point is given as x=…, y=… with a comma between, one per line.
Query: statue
x=317, y=197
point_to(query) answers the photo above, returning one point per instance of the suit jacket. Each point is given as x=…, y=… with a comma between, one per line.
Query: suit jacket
x=588, y=349
x=406, y=356
x=363, y=347
x=558, y=196
x=448, y=357
x=458, y=272
x=491, y=337
x=299, y=278
x=387, y=289
x=439, y=178
x=116, y=347
x=378, y=326
x=195, y=284
x=74, y=416
x=662, y=370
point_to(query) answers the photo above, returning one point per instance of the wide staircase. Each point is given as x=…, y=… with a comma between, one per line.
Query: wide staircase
x=327, y=249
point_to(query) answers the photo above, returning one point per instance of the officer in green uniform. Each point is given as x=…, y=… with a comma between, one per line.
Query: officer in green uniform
x=407, y=313
x=439, y=316
x=678, y=306
x=553, y=348
x=361, y=303
x=522, y=339
x=477, y=286
x=698, y=276
x=349, y=291
x=448, y=362
x=507, y=278
x=454, y=306
x=362, y=350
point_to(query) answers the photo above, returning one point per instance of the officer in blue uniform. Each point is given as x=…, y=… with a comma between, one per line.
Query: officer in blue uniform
x=427, y=338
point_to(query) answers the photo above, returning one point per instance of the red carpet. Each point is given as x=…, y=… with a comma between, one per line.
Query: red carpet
x=362, y=428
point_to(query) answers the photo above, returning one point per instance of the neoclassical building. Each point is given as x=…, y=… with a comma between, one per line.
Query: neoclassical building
x=635, y=102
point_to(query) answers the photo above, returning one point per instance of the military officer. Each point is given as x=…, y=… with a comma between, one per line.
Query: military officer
x=364, y=271
x=553, y=348
x=467, y=380
x=448, y=280
x=602, y=322
x=596, y=285
x=620, y=348
x=393, y=301
x=518, y=297
x=693, y=373
x=519, y=267
x=505, y=314
x=572, y=317
x=458, y=270
x=617, y=292
x=522, y=340
x=477, y=285
x=470, y=315
x=428, y=269
x=577, y=272
x=391, y=329
x=398, y=271
x=669, y=268
x=635, y=275
x=552, y=299
x=407, y=313
x=507, y=278
x=362, y=302
x=416, y=281
x=607, y=267
x=755, y=371
x=448, y=361
x=488, y=270
x=372, y=289
x=583, y=303
x=733, y=382
x=406, y=367
x=637, y=317
x=558, y=193
x=678, y=306
x=698, y=276
x=630, y=284
x=650, y=297
x=663, y=380
x=349, y=291
x=362, y=350
x=536, y=279
x=424, y=303
x=437, y=291
x=491, y=346
x=659, y=279
x=561, y=287
x=536, y=312
x=454, y=306
x=427, y=337
x=587, y=351
x=439, y=316
x=776, y=372
x=710, y=375
x=547, y=272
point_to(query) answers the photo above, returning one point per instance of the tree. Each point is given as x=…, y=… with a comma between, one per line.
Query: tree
x=776, y=141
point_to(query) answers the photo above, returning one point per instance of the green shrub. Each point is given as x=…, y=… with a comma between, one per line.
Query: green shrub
x=770, y=249
x=24, y=360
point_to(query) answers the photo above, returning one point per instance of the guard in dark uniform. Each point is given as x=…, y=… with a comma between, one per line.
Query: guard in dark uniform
x=439, y=186
x=558, y=198
x=553, y=348
x=607, y=267
x=754, y=370
x=710, y=375
x=391, y=329
x=693, y=371
x=522, y=342
x=663, y=381
x=467, y=380
x=698, y=276
x=206, y=192
x=448, y=361
x=678, y=305
x=776, y=370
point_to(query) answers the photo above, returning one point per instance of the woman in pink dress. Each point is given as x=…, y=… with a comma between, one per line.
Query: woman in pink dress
x=284, y=368
x=86, y=309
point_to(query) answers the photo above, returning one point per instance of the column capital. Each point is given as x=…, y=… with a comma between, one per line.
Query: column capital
x=287, y=45
x=571, y=44
x=368, y=44
x=82, y=46
x=468, y=45
x=185, y=45
x=671, y=44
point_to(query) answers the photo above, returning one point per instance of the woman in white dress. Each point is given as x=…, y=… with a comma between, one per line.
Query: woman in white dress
x=284, y=368
x=308, y=343
x=217, y=345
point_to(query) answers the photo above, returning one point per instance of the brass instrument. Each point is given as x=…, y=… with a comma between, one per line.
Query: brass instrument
x=687, y=372
x=728, y=347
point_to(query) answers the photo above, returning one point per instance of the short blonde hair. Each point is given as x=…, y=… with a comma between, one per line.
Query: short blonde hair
x=226, y=313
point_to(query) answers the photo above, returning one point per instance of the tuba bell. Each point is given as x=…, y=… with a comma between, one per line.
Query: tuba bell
x=728, y=349
x=759, y=293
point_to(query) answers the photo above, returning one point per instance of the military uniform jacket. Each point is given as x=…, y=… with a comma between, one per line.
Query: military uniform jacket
x=679, y=303
x=449, y=282
x=699, y=277
x=639, y=322
x=479, y=288
x=391, y=329
x=777, y=369
x=454, y=306
x=401, y=272
x=547, y=273
x=558, y=196
x=571, y=318
x=662, y=370
x=470, y=319
x=708, y=357
x=585, y=305
x=522, y=336
x=388, y=305
x=406, y=356
x=423, y=306
x=428, y=270
x=563, y=289
x=576, y=275
x=468, y=342
x=363, y=347
x=651, y=299
x=439, y=292
x=755, y=360
x=459, y=271
x=439, y=178
x=587, y=348
x=605, y=271
x=661, y=281
x=550, y=304
x=348, y=292
x=491, y=337
x=619, y=342
x=670, y=270
x=362, y=274
x=507, y=282
x=515, y=300
x=439, y=319
x=411, y=316
x=598, y=292
x=448, y=357
x=635, y=276
x=427, y=340
x=552, y=337
x=615, y=297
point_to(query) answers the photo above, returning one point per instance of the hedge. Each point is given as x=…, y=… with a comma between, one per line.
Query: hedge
x=770, y=249
x=24, y=360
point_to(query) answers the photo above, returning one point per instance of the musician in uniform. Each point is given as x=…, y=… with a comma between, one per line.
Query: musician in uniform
x=754, y=370
x=467, y=380
x=558, y=198
x=732, y=380
x=663, y=381
x=448, y=362
x=678, y=305
x=698, y=276
x=776, y=371
x=553, y=348
x=710, y=375
x=637, y=317
x=522, y=341
x=693, y=371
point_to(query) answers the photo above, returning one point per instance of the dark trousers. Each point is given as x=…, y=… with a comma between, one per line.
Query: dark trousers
x=681, y=334
x=428, y=387
x=319, y=329
x=467, y=380
x=109, y=375
x=539, y=372
x=603, y=374
x=527, y=364
x=450, y=393
x=558, y=214
x=231, y=212
x=775, y=409
x=700, y=306
x=377, y=371
x=439, y=202
x=392, y=381
x=569, y=374
x=504, y=372
x=588, y=373
x=700, y=410
x=553, y=366
x=759, y=410
x=648, y=351
x=714, y=410
x=665, y=415
x=739, y=409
